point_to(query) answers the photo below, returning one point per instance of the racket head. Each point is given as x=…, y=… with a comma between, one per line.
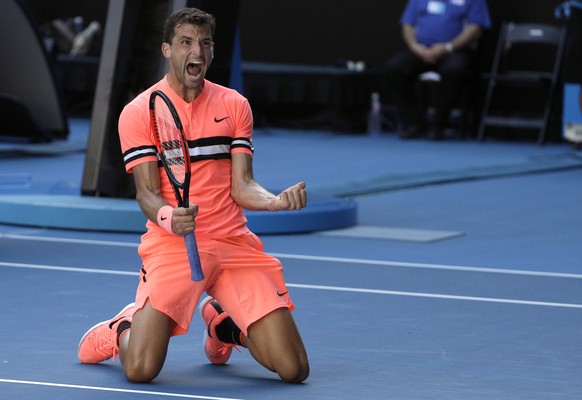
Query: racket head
x=171, y=143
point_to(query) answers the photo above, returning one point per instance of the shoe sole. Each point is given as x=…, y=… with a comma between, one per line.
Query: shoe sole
x=206, y=300
x=119, y=315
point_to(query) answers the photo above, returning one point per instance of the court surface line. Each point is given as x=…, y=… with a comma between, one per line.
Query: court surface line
x=427, y=266
x=67, y=240
x=321, y=258
x=320, y=287
x=109, y=389
x=436, y=296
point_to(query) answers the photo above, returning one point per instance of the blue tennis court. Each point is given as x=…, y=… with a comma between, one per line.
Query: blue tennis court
x=462, y=278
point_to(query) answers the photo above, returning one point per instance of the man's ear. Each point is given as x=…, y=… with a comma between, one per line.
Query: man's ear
x=166, y=51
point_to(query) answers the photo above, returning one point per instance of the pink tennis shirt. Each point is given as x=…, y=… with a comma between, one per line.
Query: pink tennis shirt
x=217, y=123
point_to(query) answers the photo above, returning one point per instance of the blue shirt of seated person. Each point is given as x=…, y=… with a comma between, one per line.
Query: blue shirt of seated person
x=439, y=21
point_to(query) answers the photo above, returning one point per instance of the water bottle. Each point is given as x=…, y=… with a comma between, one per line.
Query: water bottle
x=375, y=115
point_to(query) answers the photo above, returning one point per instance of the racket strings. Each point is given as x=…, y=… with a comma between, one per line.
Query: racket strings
x=170, y=137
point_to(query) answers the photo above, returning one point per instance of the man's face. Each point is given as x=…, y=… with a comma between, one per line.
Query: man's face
x=190, y=55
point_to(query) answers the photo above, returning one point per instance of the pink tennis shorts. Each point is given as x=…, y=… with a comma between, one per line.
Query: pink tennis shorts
x=247, y=283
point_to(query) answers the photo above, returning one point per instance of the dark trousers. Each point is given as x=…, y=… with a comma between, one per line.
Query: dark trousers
x=400, y=77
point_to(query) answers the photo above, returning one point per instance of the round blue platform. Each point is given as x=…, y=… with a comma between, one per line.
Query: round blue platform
x=124, y=215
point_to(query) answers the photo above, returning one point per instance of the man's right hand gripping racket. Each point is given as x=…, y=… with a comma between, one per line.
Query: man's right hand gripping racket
x=173, y=152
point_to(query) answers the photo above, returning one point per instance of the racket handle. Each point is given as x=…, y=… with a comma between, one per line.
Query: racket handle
x=194, y=257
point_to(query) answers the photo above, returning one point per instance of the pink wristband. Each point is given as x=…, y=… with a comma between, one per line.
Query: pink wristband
x=165, y=218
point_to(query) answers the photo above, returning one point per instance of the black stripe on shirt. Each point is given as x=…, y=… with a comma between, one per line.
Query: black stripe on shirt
x=136, y=153
x=212, y=148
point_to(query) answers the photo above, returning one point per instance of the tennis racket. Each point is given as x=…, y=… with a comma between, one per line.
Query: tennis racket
x=173, y=152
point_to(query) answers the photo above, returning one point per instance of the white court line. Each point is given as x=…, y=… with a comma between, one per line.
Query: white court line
x=427, y=266
x=319, y=287
x=321, y=258
x=108, y=389
x=437, y=296
x=67, y=240
x=68, y=269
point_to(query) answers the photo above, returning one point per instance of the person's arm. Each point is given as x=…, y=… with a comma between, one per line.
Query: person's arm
x=249, y=194
x=425, y=53
x=409, y=37
x=464, y=39
x=468, y=35
x=149, y=197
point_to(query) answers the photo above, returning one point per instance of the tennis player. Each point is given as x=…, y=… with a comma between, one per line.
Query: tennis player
x=248, y=304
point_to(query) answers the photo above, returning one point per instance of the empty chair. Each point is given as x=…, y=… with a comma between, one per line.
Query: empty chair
x=524, y=77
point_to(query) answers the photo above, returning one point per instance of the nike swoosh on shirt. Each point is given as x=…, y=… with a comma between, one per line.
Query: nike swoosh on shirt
x=281, y=294
x=217, y=120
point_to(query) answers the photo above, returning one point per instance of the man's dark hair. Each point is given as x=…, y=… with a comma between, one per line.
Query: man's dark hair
x=192, y=16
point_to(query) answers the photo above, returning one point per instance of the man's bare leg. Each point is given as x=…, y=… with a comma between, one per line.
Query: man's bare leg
x=143, y=348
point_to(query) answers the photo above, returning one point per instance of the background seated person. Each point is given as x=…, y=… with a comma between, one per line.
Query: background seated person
x=438, y=35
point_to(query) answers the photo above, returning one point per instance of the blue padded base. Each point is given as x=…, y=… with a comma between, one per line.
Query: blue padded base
x=124, y=215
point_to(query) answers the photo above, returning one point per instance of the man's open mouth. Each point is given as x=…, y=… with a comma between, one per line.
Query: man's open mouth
x=194, y=68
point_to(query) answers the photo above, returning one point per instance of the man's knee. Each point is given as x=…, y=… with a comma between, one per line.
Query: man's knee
x=294, y=372
x=141, y=370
